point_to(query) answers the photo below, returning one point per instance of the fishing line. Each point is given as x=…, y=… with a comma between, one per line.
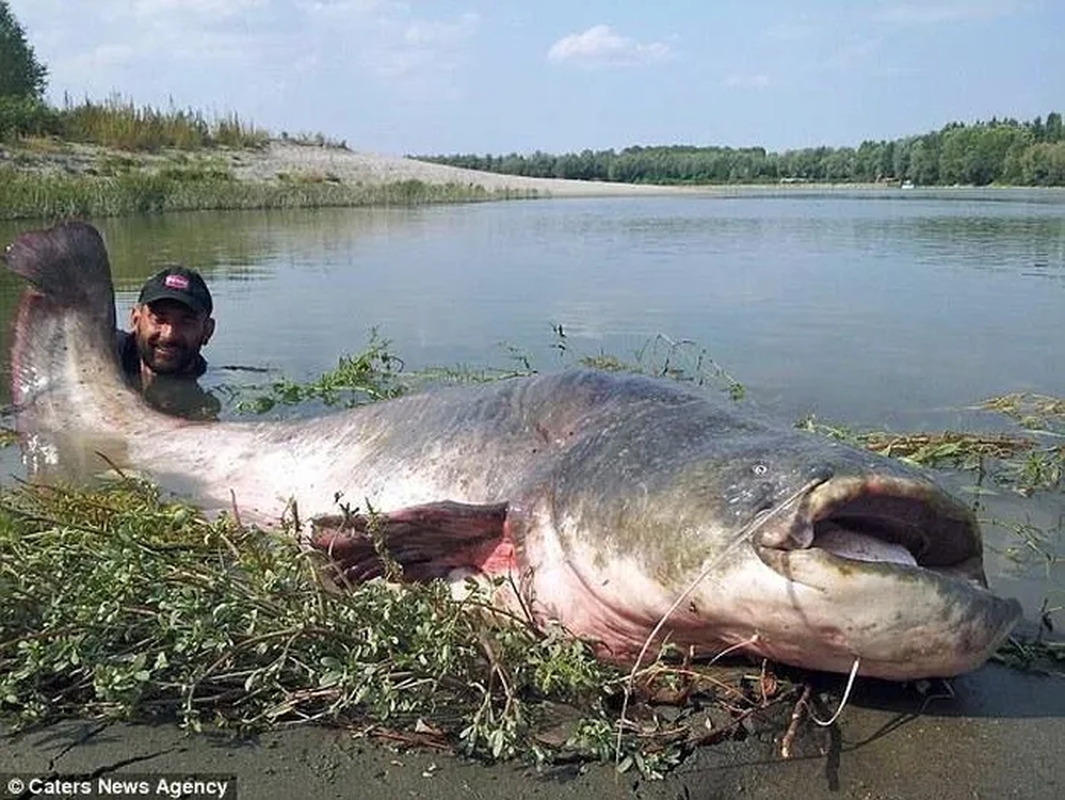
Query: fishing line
x=738, y=646
x=742, y=535
x=843, y=702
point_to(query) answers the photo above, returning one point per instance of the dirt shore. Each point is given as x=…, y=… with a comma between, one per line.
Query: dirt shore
x=998, y=736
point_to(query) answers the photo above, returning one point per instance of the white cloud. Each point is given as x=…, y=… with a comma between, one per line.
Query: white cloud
x=109, y=54
x=347, y=6
x=148, y=48
x=78, y=36
x=214, y=9
x=850, y=55
x=791, y=31
x=349, y=10
x=747, y=81
x=935, y=13
x=599, y=45
x=431, y=33
x=418, y=53
x=389, y=41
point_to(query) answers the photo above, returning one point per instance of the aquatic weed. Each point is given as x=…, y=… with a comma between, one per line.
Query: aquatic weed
x=1027, y=540
x=121, y=604
x=661, y=356
x=368, y=376
x=1031, y=410
x=377, y=373
x=1013, y=460
x=131, y=605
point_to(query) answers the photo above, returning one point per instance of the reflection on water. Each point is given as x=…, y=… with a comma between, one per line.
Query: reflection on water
x=887, y=309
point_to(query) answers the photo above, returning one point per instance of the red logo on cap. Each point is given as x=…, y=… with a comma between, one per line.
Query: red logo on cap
x=176, y=282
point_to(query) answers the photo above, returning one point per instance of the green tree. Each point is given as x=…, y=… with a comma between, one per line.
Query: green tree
x=1038, y=131
x=841, y=165
x=21, y=74
x=924, y=160
x=900, y=168
x=1043, y=164
x=956, y=144
x=1054, y=131
x=983, y=152
x=1013, y=164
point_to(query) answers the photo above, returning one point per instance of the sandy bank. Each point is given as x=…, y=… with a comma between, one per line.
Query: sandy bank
x=285, y=158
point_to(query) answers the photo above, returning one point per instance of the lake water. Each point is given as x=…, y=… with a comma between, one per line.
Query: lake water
x=887, y=309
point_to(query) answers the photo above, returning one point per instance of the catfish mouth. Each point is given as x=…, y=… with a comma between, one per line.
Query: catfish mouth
x=907, y=523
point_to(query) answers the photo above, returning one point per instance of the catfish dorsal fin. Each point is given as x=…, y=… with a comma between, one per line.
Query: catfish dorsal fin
x=424, y=541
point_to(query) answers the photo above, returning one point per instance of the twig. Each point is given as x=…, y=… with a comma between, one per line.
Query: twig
x=236, y=511
x=793, y=726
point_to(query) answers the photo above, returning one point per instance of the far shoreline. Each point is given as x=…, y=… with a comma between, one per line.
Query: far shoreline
x=373, y=167
x=49, y=178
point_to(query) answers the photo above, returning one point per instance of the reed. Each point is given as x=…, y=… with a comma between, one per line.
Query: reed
x=121, y=124
x=49, y=196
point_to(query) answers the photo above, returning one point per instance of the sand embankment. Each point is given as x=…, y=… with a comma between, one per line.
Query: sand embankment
x=288, y=160
x=349, y=166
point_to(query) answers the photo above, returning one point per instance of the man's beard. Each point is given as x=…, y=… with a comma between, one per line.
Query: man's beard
x=180, y=358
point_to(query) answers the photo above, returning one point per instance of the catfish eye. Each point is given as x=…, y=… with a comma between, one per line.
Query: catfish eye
x=759, y=469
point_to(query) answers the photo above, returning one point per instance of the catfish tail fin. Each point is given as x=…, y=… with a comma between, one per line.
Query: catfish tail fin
x=65, y=378
x=68, y=264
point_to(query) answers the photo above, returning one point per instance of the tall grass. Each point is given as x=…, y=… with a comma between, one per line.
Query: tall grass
x=121, y=124
x=36, y=196
x=119, y=184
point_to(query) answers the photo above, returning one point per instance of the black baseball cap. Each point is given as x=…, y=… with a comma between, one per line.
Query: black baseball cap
x=181, y=284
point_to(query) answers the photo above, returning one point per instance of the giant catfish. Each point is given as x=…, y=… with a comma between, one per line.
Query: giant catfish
x=610, y=501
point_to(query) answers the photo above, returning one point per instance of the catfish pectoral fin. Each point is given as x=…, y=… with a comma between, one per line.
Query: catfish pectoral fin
x=425, y=541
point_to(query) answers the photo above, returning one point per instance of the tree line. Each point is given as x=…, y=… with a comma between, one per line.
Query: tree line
x=998, y=151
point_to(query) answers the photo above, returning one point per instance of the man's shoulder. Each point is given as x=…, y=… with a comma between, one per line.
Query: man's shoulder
x=128, y=358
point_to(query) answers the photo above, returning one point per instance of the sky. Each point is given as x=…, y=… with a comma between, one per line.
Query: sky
x=501, y=76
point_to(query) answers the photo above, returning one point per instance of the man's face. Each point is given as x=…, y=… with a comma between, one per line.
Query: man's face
x=169, y=335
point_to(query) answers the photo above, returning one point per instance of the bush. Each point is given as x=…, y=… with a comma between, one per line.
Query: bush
x=26, y=116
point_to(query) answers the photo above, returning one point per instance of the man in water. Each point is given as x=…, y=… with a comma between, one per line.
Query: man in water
x=160, y=356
